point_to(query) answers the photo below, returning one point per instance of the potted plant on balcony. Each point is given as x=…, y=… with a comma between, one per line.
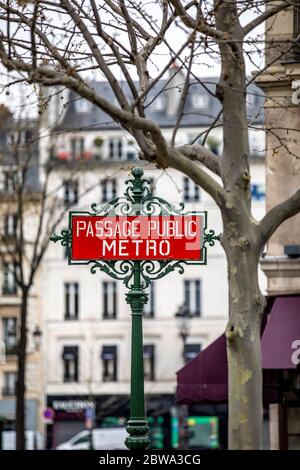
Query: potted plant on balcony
x=98, y=141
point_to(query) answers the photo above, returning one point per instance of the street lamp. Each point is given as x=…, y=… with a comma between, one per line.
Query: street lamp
x=183, y=316
x=37, y=335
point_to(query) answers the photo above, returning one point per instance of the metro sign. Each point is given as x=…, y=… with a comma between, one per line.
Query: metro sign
x=137, y=237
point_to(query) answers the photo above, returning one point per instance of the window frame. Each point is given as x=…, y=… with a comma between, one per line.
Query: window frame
x=110, y=362
x=198, y=298
x=66, y=364
x=67, y=314
x=106, y=315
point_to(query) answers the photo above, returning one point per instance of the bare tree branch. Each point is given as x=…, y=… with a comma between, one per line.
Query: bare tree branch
x=201, y=154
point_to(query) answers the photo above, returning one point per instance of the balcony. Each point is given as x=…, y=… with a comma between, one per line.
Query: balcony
x=66, y=156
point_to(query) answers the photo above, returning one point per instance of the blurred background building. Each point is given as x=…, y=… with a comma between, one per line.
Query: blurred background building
x=86, y=322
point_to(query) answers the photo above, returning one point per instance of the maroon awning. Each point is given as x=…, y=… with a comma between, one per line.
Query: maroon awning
x=204, y=379
x=281, y=339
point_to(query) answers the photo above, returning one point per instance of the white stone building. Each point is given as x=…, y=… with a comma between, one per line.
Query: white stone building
x=86, y=319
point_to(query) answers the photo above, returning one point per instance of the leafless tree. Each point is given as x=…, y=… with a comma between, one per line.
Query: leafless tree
x=65, y=42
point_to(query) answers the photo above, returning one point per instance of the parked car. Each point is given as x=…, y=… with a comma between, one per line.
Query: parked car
x=102, y=439
x=33, y=440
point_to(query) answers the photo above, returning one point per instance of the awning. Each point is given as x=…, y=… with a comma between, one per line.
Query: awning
x=204, y=379
x=70, y=352
x=281, y=339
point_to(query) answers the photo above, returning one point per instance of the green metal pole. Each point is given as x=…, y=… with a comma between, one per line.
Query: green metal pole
x=137, y=425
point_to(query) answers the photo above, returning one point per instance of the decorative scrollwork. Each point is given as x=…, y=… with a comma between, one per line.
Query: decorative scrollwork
x=158, y=206
x=211, y=238
x=152, y=270
x=65, y=237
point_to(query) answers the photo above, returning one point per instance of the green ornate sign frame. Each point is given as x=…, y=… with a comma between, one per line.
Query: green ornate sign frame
x=137, y=276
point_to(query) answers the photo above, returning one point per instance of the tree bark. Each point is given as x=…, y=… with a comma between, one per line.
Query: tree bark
x=246, y=305
x=20, y=392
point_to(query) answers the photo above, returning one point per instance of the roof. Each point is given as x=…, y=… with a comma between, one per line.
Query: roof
x=96, y=119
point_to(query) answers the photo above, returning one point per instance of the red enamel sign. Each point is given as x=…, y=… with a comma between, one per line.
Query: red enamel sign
x=136, y=237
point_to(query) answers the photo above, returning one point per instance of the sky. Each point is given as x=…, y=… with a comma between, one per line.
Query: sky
x=22, y=100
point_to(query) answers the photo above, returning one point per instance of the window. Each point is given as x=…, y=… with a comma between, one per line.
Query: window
x=70, y=363
x=200, y=101
x=82, y=105
x=109, y=361
x=70, y=192
x=9, y=279
x=10, y=381
x=190, y=190
x=9, y=328
x=77, y=147
x=10, y=225
x=115, y=148
x=149, y=308
x=109, y=189
x=192, y=297
x=250, y=99
x=71, y=301
x=10, y=180
x=191, y=351
x=109, y=299
x=149, y=362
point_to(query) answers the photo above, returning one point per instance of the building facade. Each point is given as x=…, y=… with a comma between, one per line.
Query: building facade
x=281, y=263
x=14, y=137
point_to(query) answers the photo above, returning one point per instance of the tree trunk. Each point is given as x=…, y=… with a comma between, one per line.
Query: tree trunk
x=20, y=405
x=246, y=305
